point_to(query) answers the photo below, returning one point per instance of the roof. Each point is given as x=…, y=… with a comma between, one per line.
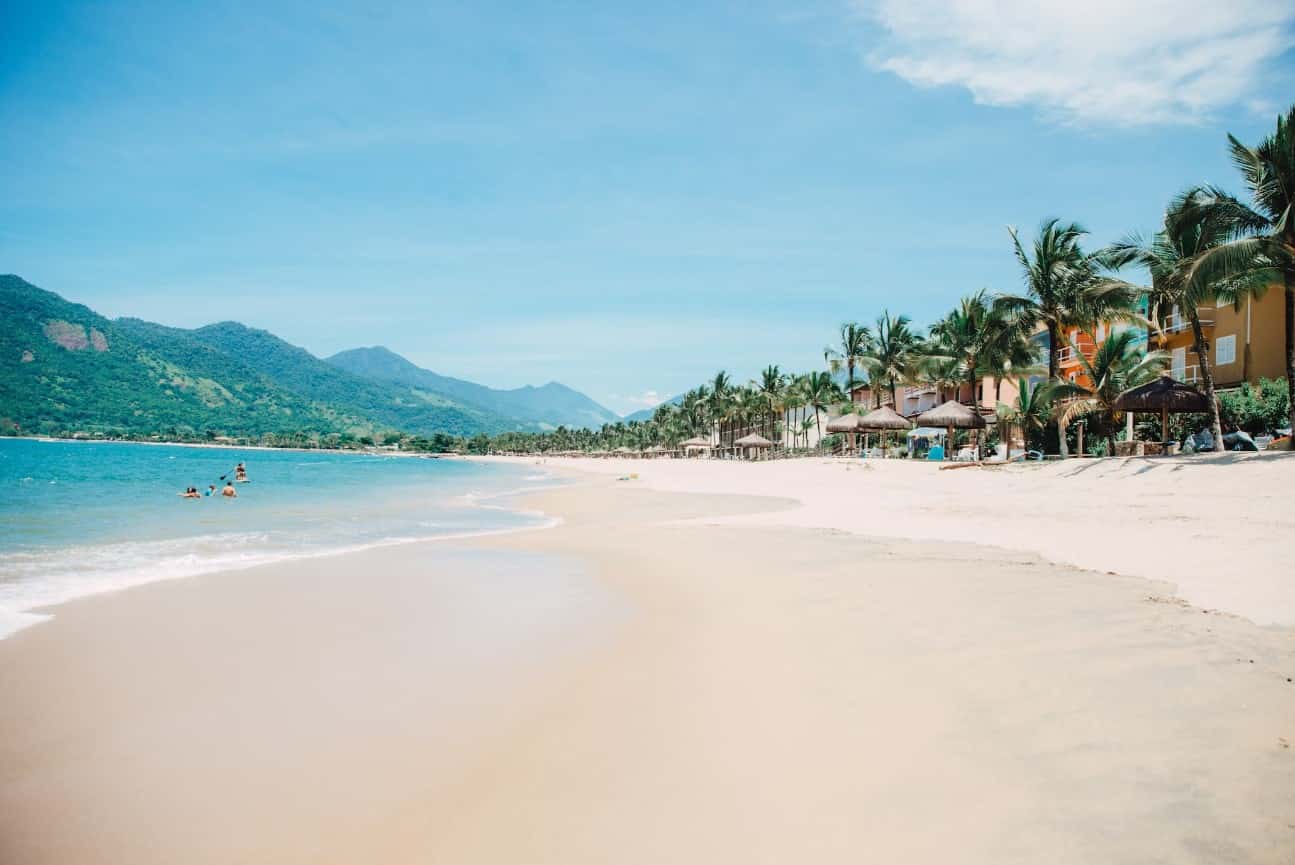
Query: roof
x=1164, y=393
x=754, y=440
x=952, y=414
x=884, y=418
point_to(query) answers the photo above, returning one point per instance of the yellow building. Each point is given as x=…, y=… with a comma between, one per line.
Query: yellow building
x=1246, y=342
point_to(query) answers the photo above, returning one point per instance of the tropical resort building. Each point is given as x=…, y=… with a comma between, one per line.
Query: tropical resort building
x=1246, y=342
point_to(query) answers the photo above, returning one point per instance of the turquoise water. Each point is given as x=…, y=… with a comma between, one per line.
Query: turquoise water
x=84, y=517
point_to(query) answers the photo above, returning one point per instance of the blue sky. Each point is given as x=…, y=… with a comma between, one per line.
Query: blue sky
x=623, y=197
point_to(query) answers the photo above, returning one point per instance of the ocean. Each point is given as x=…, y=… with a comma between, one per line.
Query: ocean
x=79, y=518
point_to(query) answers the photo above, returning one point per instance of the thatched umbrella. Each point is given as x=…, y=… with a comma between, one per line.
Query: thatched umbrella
x=754, y=441
x=883, y=420
x=1163, y=395
x=655, y=450
x=951, y=415
x=696, y=443
x=848, y=424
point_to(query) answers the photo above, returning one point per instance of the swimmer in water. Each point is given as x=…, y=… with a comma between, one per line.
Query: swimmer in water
x=190, y=493
x=229, y=492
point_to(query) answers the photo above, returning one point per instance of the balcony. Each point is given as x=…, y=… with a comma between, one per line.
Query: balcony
x=1187, y=374
x=1179, y=323
x=1069, y=355
x=918, y=389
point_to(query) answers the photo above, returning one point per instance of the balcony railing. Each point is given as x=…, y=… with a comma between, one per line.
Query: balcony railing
x=1068, y=354
x=1189, y=374
x=1178, y=323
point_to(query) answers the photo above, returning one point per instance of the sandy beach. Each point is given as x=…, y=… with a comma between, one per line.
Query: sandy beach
x=800, y=661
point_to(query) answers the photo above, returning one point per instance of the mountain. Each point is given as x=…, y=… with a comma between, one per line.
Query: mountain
x=64, y=367
x=646, y=413
x=546, y=407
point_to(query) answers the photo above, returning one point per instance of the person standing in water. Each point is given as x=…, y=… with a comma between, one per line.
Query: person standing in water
x=229, y=492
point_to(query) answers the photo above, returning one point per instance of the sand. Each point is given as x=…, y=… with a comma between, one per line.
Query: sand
x=701, y=677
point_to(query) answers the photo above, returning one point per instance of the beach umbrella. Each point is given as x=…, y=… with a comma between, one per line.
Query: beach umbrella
x=1163, y=395
x=848, y=424
x=696, y=443
x=883, y=420
x=951, y=415
x=754, y=441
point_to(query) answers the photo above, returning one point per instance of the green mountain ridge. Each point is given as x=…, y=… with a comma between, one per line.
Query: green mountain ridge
x=544, y=408
x=64, y=368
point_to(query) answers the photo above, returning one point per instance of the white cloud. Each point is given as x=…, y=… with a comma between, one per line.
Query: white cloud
x=1094, y=63
x=647, y=399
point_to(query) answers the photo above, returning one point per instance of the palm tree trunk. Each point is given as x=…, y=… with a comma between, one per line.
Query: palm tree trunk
x=1289, y=276
x=1207, y=373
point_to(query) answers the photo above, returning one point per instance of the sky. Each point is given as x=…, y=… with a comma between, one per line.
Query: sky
x=623, y=197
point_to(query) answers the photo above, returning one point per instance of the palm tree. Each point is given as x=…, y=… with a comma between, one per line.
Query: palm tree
x=721, y=392
x=892, y=354
x=819, y=393
x=1030, y=412
x=1189, y=232
x=1064, y=288
x=1265, y=234
x=1117, y=365
x=772, y=385
x=975, y=333
x=848, y=352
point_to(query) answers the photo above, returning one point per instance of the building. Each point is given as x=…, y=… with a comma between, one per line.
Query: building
x=1246, y=342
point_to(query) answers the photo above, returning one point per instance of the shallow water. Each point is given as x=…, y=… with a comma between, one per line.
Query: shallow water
x=84, y=517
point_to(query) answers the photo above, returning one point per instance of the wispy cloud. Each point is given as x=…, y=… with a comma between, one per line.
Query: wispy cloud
x=1097, y=63
x=647, y=399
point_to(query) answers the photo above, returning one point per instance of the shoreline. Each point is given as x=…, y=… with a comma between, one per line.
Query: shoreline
x=15, y=619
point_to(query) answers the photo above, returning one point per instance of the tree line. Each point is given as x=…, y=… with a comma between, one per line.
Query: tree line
x=1211, y=248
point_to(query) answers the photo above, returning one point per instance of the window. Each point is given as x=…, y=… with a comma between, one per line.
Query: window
x=1225, y=350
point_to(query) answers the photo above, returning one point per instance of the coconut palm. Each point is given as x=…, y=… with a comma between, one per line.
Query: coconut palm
x=976, y=332
x=1117, y=365
x=819, y=392
x=1065, y=288
x=718, y=399
x=1030, y=411
x=772, y=387
x=1265, y=233
x=1191, y=231
x=848, y=353
x=893, y=353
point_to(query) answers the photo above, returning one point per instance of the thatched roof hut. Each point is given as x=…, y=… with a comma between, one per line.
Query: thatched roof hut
x=952, y=415
x=1164, y=395
x=696, y=442
x=753, y=442
x=884, y=418
x=846, y=423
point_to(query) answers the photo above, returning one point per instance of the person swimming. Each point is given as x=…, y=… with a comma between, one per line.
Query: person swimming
x=211, y=490
x=229, y=492
x=190, y=493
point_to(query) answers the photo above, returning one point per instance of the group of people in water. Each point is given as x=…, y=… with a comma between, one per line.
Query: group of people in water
x=228, y=491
